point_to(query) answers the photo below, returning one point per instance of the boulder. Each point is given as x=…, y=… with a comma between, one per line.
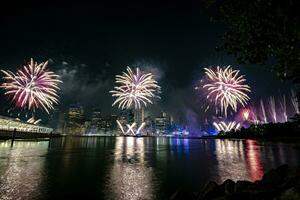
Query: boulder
x=293, y=173
x=228, y=186
x=281, y=183
x=209, y=191
x=290, y=194
x=271, y=179
x=182, y=195
x=245, y=186
x=220, y=198
x=282, y=170
x=251, y=196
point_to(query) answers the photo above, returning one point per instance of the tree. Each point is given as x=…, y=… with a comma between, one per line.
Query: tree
x=261, y=31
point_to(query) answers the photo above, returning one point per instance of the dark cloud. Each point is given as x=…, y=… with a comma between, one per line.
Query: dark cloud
x=79, y=86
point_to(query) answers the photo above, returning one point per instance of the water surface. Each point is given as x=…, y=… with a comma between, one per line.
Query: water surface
x=132, y=168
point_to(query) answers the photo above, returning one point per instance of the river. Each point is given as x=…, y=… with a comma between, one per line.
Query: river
x=132, y=168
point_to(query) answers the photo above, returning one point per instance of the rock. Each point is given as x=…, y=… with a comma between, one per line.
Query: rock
x=271, y=179
x=282, y=183
x=209, y=191
x=258, y=183
x=290, y=194
x=282, y=170
x=252, y=196
x=228, y=186
x=182, y=195
x=245, y=186
x=293, y=173
x=220, y=198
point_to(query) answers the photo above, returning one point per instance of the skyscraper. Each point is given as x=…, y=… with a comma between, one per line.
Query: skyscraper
x=139, y=116
x=96, y=122
x=162, y=123
x=75, y=120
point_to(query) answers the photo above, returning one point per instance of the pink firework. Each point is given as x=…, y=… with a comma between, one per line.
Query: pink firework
x=32, y=87
x=245, y=114
x=226, y=88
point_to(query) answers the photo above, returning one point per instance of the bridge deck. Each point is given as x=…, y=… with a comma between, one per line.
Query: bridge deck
x=26, y=135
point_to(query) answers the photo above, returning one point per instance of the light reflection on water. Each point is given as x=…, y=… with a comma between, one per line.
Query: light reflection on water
x=132, y=168
x=253, y=160
x=130, y=177
x=21, y=169
x=239, y=160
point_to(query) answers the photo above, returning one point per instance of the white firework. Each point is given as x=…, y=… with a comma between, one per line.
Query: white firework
x=135, y=90
x=226, y=127
x=226, y=88
x=295, y=102
x=283, y=109
x=262, y=106
x=273, y=109
x=32, y=86
x=132, y=129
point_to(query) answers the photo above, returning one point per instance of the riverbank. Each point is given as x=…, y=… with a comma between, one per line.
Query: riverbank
x=267, y=131
x=144, y=136
x=281, y=183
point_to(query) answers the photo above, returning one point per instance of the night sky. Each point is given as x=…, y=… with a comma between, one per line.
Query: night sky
x=89, y=43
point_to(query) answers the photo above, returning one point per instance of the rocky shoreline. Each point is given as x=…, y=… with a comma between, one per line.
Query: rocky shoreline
x=282, y=183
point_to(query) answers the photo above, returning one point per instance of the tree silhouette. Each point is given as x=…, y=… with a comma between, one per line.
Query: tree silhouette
x=261, y=31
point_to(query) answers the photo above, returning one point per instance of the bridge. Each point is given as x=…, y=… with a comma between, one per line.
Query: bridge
x=24, y=130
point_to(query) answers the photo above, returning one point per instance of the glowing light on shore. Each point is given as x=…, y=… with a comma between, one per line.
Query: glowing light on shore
x=32, y=87
x=135, y=89
x=226, y=127
x=226, y=88
x=246, y=114
x=131, y=130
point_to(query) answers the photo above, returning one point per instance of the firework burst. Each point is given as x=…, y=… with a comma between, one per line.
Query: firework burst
x=226, y=88
x=245, y=114
x=295, y=103
x=273, y=109
x=135, y=90
x=226, y=127
x=32, y=87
